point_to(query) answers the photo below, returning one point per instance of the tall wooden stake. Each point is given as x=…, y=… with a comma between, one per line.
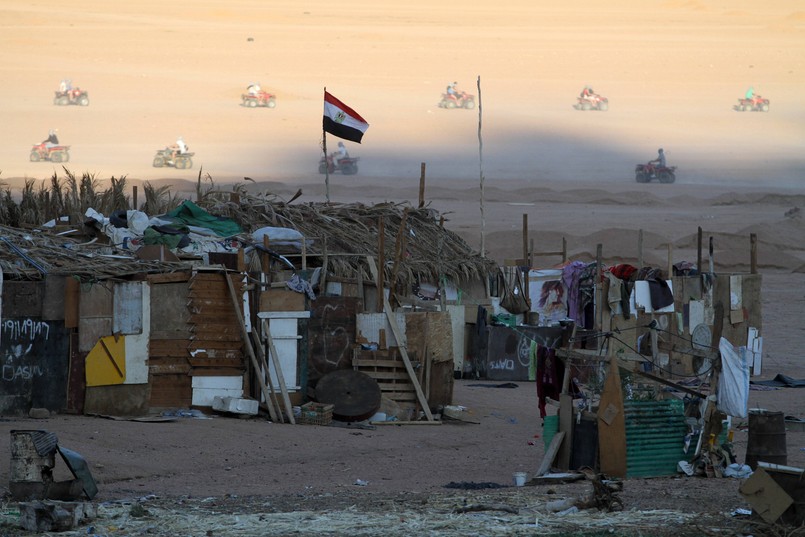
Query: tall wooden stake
x=421, y=185
x=753, y=253
x=481, y=170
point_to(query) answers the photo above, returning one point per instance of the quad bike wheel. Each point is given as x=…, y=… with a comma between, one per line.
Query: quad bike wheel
x=450, y=104
x=63, y=101
x=641, y=177
x=251, y=103
x=586, y=106
x=603, y=107
x=56, y=156
x=35, y=156
x=667, y=177
x=184, y=163
x=349, y=169
x=83, y=101
x=159, y=161
x=764, y=107
x=271, y=103
x=469, y=105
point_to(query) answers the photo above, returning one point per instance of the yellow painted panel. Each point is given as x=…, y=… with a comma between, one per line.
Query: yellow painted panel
x=106, y=362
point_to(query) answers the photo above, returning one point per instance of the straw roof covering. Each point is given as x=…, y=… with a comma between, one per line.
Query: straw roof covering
x=348, y=233
x=344, y=234
x=32, y=255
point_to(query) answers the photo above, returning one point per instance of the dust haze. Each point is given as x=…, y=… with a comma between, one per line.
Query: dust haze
x=672, y=70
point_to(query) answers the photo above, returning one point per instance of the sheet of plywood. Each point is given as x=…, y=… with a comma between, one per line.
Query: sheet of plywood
x=612, y=435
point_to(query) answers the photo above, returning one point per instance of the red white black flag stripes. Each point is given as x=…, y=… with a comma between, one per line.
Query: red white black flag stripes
x=342, y=121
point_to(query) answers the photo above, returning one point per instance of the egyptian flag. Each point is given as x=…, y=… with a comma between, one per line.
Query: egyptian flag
x=342, y=121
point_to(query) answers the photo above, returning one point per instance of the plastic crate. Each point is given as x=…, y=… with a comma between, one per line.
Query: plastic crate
x=316, y=414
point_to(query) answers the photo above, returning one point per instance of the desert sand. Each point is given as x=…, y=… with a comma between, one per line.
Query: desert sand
x=671, y=69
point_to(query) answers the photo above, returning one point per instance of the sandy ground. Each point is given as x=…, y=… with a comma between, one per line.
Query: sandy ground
x=672, y=71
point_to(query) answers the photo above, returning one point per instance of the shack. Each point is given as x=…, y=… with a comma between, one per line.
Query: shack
x=234, y=296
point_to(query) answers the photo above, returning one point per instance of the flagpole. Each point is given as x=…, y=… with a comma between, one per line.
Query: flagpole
x=481, y=170
x=326, y=164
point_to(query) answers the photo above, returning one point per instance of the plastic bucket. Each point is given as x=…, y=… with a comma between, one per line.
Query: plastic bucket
x=519, y=478
x=766, y=438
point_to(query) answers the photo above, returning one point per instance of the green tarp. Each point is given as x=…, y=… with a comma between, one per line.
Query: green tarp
x=193, y=215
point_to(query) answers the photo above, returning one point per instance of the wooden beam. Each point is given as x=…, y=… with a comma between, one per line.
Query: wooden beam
x=275, y=361
x=273, y=404
x=246, y=342
x=403, y=352
x=699, y=250
x=378, y=275
x=550, y=454
x=753, y=253
x=421, y=185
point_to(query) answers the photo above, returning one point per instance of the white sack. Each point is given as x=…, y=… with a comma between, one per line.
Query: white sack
x=733, y=383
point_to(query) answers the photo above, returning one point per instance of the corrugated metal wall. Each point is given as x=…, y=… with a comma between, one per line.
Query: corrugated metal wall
x=655, y=433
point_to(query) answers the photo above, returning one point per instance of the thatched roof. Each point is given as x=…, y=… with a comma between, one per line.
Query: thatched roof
x=32, y=255
x=348, y=233
x=420, y=250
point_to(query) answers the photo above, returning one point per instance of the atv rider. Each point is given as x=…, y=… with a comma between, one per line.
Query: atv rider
x=587, y=93
x=52, y=140
x=658, y=162
x=340, y=154
x=254, y=89
x=65, y=85
x=750, y=93
x=452, y=92
x=179, y=148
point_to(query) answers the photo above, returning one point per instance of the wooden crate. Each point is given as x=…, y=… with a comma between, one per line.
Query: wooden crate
x=388, y=369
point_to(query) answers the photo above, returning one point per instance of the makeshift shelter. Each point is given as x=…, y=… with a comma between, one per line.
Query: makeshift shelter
x=132, y=322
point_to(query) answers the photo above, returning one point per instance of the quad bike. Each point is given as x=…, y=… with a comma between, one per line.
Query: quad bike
x=461, y=99
x=168, y=157
x=55, y=153
x=71, y=96
x=592, y=102
x=755, y=104
x=261, y=98
x=347, y=166
x=645, y=173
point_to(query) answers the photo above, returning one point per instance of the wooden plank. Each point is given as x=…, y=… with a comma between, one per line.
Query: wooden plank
x=169, y=369
x=405, y=422
x=398, y=336
x=275, y=361
x=612, y=436
x=248, y=345
x=266, y=373
x=377, y=363
x=566, y=427
x=550, y=454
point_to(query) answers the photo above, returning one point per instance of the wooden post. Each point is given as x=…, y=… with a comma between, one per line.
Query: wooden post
x=670, y=260
x=525, y=237
x=564, y=250
x=381, y=262
x=421, y=185
x=699, y=251
x=531, y=252
x=640, y=249
x=599, y=309
x=753, y=253
x=712, y=268
x=134, y=198
x=324, y=266
x=304, y=253
x=274, y=408
x=399, y=248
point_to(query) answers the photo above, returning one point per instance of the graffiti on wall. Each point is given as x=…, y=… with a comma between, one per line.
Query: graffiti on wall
x=34, y=357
